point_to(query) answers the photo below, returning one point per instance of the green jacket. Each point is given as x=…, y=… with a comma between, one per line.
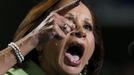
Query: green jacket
x=32, y=69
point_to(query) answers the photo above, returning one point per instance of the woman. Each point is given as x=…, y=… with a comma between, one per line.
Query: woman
x=68, y=43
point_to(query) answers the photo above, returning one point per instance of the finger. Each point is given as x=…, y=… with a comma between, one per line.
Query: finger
x=70, y=24
x=66, y=28
x=49, y=22
x=45, y=23
x=49, y=28
x=63, y=23
x=46, y=34
x=59, y=34
x=67, y=7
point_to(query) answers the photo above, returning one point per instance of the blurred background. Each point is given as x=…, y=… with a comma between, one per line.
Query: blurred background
x=116, y=18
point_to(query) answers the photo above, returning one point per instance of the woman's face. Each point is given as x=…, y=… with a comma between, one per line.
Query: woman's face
x=69, y=55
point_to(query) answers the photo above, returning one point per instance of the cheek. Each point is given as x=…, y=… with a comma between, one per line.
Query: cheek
x=90, y=38
x=49, y=50
x=52, y=49
x=90, y=45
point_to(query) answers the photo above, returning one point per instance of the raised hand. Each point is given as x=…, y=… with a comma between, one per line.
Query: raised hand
x=56, y=26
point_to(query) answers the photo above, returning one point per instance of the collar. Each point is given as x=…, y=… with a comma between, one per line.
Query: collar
x=34, y=69
x=31, y=69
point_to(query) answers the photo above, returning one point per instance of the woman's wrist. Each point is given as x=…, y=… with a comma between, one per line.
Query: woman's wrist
x=27, y=43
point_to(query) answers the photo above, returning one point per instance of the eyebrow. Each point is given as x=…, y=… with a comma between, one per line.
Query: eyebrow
x=87, y=20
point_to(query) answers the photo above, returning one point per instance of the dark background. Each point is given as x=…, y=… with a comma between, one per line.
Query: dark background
x=116, y=18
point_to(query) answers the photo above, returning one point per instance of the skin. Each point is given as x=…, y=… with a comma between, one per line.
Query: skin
x=31, y=40
x=52, y=53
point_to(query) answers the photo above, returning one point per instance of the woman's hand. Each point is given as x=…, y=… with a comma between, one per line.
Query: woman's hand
x=56, y=27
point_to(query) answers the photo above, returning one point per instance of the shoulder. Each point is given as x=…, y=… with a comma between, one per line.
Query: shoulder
x=18, y=71
x=31, y=69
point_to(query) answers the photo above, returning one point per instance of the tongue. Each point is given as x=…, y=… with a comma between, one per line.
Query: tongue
x=72, y=58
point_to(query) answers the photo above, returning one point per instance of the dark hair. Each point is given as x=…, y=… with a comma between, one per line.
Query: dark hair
x=96, y=61
x=35, y=17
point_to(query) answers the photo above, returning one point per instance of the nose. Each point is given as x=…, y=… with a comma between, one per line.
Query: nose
x=79, y=29
x=79, y=33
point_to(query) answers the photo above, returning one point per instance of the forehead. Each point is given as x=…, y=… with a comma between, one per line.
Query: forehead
x=81, y=10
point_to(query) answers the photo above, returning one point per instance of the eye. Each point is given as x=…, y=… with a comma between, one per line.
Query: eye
x=88, y=27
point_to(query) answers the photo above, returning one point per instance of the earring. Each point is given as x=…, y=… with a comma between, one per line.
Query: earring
x=87, y=63
x=85, y=70
x=56, y=44
x=80, y=74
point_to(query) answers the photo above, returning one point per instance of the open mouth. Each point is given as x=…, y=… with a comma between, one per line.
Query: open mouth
x=74, y=54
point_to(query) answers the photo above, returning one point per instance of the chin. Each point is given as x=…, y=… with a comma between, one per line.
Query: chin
x=70, y=70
